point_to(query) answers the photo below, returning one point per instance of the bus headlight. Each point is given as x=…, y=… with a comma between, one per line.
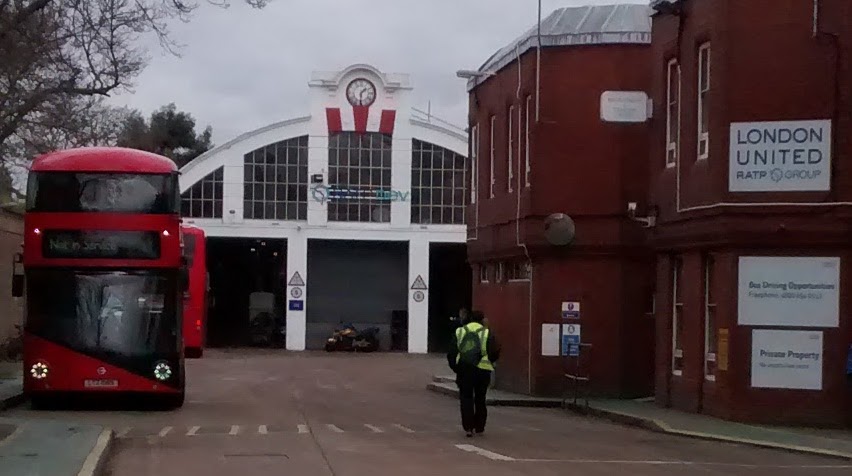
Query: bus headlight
x=39, y=370
x=162, y=371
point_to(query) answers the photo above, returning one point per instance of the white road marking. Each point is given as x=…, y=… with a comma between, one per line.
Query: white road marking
x=18, y=430
x=683, y=463
x=192, y=431
x=123, y=432
x=95, y=456
x=165, y=431
x=403, y=428
x=229, y=379
x=374, y=428
x=271, y=379
x=483, y=452
x=263, y=430
x=334, y=428
x=235, y=430
x=530, y=428
x=304, y=429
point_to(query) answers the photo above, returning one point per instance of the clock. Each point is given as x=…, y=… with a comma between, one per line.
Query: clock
x=361, y=92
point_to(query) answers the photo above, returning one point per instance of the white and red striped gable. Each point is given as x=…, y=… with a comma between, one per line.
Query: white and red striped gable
x=360, y=119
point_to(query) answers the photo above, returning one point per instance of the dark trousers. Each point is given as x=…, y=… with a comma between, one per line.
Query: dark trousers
x=473, y=383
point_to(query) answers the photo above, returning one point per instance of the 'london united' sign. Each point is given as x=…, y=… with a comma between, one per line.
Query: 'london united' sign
x=781, y=156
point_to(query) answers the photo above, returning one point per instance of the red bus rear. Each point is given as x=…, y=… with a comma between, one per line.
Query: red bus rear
x=104, y=276
x=195, y=299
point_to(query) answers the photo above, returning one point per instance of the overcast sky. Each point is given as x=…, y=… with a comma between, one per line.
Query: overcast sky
x=242, y=68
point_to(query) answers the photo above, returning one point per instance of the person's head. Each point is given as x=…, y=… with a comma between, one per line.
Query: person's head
x=463, y=314
x=477, y=316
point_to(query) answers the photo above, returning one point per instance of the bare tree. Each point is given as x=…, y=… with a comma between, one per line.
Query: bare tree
x=57, y=56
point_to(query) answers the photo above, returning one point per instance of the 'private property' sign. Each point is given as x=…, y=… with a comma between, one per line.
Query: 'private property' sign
x=781, y=156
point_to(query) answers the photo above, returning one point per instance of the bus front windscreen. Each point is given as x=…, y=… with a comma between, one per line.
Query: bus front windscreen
x=127, y=319
x=102, y=192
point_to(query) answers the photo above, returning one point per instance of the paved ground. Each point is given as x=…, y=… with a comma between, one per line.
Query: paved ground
x=258, y=413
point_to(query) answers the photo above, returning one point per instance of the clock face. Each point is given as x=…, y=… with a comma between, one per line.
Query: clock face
x=361, y=92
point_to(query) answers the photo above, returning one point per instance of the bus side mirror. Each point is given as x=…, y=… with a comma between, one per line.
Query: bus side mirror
x=17, y=277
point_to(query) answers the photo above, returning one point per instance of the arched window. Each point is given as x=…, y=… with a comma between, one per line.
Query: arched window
x=276, y=181
x=204, y=199
x=437, y=185
x=359, y=177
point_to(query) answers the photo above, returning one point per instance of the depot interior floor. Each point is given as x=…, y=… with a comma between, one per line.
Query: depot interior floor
x=348, y=281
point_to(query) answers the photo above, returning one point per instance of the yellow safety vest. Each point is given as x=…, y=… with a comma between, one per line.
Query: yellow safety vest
x=483, y=364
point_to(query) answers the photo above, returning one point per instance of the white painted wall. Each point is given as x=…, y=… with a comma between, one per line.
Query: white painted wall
x=327, y=89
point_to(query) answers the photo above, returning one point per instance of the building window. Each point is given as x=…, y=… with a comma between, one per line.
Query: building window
x=527, y=141
x=703, y=104
x=492, y=181
x=519, y=271
x=677, y=317
x=510, y=153
x=276, y=181
x=359, y=177
x=672, y=113
x=709, y=321
x=204, y=199
x=483, y=273
x=474, y=159
x=437, y=185
x=501, y=272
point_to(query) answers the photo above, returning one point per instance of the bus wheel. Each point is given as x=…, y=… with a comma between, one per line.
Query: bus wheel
x=42, y=402
x=172, y=402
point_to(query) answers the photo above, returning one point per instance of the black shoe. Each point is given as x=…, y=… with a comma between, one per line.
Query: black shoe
x=469, y=434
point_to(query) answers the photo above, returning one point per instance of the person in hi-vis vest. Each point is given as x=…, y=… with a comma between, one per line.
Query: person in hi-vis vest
x=472, y=355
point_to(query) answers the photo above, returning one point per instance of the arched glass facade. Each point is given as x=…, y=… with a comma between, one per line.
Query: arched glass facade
x=276, y=181
x=359, y=177
x=437, y=185
x=204, y=199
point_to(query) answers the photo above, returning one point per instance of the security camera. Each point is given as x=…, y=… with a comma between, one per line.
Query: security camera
x=631, y=209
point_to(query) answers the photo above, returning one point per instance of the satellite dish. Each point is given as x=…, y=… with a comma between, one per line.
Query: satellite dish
x=559, y=229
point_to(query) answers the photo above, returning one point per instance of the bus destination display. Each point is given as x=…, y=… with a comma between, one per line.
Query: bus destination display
x=78, y=244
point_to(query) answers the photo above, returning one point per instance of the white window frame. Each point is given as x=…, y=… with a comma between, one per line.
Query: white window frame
x=672, y=143
x=501, y=272
x=519, y=268
x=527, y=141
x=677, y=310
x=703, y=137
x=483, y=273
x=709, y=307
x=493, y=150
x=511, y=149
x=474, y=156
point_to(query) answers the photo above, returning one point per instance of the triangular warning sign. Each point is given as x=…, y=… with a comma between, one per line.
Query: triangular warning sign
x=296, y=280
x=419, y=283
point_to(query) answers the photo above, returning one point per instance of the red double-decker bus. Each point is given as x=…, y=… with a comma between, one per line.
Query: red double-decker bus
x=196, y=298
x=104, y=276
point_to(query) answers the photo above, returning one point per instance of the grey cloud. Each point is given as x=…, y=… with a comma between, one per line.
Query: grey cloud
x=241, y=68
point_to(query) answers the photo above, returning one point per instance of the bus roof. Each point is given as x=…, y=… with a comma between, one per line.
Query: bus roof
x=192, y=230
x=103, y=159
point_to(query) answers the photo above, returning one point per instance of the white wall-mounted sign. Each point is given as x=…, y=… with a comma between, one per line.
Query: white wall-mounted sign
x=789, y=291
x=550, y=340
x=781, y=156
x=786, y=359
x=624, y=106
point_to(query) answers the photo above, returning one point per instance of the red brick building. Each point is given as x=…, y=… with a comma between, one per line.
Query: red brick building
x=562, y=158
x=751, y=181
